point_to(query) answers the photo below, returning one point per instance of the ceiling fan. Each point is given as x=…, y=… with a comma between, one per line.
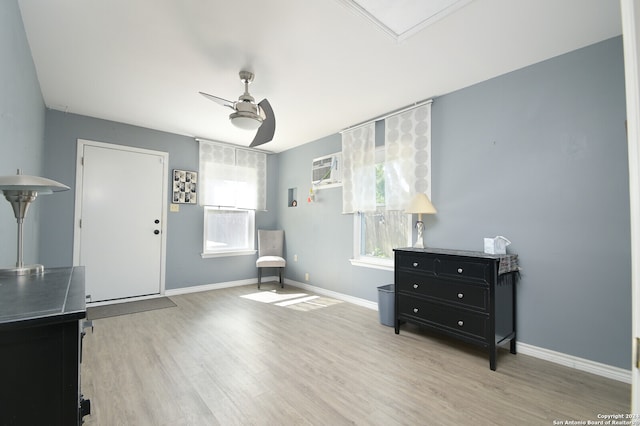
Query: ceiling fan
x=247, y=114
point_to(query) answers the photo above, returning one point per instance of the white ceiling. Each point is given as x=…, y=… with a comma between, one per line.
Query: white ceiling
x=322, y=66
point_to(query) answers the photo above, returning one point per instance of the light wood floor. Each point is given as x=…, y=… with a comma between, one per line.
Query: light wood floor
x=221, y=359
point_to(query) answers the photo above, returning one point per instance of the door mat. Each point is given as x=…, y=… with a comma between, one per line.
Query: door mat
x=125, y=308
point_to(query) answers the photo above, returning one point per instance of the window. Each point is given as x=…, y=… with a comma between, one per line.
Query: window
x=381, y=181
x=377, y=233
x=228, y=231
x=232, y=188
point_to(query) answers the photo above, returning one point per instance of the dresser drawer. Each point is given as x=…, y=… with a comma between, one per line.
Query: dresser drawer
x=449, y=319
x=463, y=269
x=416, y=262
x=467, y=295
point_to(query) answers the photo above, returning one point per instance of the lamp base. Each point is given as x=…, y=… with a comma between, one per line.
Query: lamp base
x=23, y=270
x=420, y=239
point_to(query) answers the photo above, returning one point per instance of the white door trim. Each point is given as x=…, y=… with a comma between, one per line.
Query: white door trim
x=630, y=14
x=79, y=190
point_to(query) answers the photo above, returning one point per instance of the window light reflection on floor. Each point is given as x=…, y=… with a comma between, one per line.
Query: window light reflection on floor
x=297, y=301
x=291, y=302
x=272, y=296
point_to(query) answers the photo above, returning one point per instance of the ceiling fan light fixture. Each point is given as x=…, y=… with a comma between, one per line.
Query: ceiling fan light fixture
x=247, y=114
x=245, y=120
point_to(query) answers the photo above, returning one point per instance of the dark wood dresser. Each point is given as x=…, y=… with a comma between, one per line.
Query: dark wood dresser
x=467, y=295
x=40, y=347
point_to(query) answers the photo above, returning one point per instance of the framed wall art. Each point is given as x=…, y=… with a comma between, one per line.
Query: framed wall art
x=184, y=187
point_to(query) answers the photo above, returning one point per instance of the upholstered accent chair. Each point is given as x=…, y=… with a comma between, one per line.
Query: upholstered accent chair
x=270, y=252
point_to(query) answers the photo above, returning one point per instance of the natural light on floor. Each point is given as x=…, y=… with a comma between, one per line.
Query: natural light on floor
x=297, y=301
x=272, y=296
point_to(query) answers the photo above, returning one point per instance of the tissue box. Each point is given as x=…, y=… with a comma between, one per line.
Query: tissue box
x=497, y=245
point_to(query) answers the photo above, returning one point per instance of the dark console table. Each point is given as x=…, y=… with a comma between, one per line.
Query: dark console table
x=468, y=295
x=40, y=348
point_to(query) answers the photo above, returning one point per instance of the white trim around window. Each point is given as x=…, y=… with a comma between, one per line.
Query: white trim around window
x=228, y=232
x=366, y=261
x=359, y=258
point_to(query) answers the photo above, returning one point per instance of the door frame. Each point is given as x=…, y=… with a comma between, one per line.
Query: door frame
x=81, y=143
x=630, y=15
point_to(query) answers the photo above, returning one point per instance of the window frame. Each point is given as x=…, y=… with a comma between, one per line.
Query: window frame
x=358, y=218
x=251, y=247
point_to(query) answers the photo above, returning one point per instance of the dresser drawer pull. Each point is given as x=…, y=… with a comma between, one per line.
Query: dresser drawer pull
x=459, y=270
x=460, y=323
x=415, y=310
x=415, y=286
x=460, y=295
x=415, y=264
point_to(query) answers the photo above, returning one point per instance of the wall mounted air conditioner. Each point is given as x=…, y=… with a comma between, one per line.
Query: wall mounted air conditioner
x=327, y=170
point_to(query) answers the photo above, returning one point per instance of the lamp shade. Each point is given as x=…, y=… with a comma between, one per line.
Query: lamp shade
x=39, y=184
x=421, y=204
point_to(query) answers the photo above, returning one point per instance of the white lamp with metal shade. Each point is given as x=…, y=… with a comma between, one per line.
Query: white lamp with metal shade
x=420, y=204
x=21, y=190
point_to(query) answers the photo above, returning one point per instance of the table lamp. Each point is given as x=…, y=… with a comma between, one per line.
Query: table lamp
x=420, y=204
x=21, y=190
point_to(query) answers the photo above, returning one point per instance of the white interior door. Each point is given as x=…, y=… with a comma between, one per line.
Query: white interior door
x=630, y=12
x=120, y=215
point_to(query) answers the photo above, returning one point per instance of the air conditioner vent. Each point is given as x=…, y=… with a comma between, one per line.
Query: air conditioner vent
x=327, y=170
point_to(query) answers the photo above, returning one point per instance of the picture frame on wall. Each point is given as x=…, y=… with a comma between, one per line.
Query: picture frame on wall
x=184, y=187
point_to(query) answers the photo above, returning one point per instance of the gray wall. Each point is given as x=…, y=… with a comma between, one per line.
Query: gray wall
x=184, y=265
x=21, y=129
x=318, y=232
x=538, y=155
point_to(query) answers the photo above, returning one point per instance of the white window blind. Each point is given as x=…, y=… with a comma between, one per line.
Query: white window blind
x=232, y=177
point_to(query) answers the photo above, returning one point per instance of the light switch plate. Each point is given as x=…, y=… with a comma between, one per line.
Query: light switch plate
x=174, y=207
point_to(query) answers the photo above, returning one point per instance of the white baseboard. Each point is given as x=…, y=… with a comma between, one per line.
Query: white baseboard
x=216, y=286
x=354, y=300
x=582, y=364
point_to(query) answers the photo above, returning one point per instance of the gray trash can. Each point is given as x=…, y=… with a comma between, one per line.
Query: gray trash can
x=386, y=304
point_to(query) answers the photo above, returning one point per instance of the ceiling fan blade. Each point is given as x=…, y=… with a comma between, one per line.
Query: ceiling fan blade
x=218, y=100
x=268, y=127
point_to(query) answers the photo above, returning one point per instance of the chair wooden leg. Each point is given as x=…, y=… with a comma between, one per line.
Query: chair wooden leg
x=281, y=283
x=259, y=276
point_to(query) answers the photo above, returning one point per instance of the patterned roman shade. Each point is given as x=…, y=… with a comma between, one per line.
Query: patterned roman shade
x=407, y=161
x=232, y=177
x=407, y=165
x=358, y=173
